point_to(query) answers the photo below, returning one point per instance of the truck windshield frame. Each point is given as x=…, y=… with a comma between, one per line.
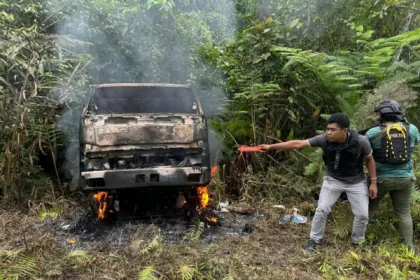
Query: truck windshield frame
x=143, y=100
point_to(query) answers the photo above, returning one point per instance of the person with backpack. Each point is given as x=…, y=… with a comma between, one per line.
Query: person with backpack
x=393, y=142
x=344, y=154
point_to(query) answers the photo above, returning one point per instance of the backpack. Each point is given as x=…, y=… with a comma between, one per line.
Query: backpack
x=395, y=145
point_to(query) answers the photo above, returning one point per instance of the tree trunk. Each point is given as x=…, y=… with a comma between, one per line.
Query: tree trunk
x=410, y=17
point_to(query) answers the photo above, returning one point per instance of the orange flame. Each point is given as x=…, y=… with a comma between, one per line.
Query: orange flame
x=213, y=220
x=101, y=199
x=203, y=194
x=213, y=171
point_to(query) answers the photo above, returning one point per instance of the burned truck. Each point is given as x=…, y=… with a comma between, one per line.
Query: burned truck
x=147, y=137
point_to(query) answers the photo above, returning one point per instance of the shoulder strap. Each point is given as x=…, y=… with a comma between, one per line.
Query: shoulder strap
x=364, y=131
x=380, y=133
x=354, y=137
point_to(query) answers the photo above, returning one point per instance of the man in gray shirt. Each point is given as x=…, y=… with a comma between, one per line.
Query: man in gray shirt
x=344, y=153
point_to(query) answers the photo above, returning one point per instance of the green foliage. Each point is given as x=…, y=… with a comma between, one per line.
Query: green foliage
x=381, y=53
x=273, y=77
x=316, y=167
x=278, y=183
x=275, y=90
x=396, y=90
x=32, y=69
x=146, y=242
x=325, y=267
x=20, y=265
x=147, y=273
x=394, y=273
x=49, y=214
x=195, y=231
x=186, y=272
x=343, y=220
x=164, y=5
x=279, y=91
x=79, y=258
x=415, y=209
x=153, y=245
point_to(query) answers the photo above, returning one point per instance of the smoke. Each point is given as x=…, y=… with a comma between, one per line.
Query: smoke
x=216, y=148
x=132, y=43
x=129, y=41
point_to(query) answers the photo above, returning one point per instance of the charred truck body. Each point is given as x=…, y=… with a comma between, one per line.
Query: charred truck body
x=136, y=136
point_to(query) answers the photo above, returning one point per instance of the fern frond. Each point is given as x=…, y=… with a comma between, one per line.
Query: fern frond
x=146, y=242
x=416, y=196
x=195, y=231
x=9, y=254
x=152, y=246
x=54, y=272
x=147, y=274
x=343, y=221
x=186, y=272
x=51, y=213
x=79, y=258
x=24, y=266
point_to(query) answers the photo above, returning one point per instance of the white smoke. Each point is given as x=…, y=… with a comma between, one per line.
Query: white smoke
x=129, y=42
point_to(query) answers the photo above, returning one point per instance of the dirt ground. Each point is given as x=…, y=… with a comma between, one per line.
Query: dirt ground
x=70, y=244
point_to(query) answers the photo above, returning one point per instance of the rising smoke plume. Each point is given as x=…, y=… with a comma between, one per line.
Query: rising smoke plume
x=128, y=41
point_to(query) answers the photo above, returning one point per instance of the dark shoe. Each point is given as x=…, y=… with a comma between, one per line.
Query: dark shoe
x=311, y=247
x=362, y=246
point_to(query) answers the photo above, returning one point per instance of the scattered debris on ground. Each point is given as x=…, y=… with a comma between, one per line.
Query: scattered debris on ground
x=75, y=245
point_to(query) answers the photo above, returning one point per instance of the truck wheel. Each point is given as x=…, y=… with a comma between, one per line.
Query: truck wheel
x=92, y=207
x=192, y=201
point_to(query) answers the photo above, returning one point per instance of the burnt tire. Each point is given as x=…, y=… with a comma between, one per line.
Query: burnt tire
x=93, y=207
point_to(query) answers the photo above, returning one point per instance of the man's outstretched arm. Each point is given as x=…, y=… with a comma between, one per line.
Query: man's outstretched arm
x=289, y=145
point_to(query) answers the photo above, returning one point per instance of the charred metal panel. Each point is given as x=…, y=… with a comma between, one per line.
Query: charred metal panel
x=112, y=131
x=164, y=176
x=148, y=133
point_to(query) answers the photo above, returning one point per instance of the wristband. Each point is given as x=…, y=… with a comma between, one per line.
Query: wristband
x=373, y=178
